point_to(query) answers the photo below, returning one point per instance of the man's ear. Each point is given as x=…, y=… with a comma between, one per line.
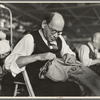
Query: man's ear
x=94, y=40
x=44, y=22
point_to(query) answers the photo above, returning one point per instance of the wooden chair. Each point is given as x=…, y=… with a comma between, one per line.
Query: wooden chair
x=27, y=83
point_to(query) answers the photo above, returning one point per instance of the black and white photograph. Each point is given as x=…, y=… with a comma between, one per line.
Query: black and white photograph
x=49, y=49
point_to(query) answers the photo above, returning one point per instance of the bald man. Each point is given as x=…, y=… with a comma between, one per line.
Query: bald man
x=33, y=51
x=89, y=55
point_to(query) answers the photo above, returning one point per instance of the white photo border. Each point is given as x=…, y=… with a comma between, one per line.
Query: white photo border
x=49, y=98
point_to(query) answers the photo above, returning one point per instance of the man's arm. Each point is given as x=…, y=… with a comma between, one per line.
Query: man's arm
x=24, y=60
x=67, y=54
x=23, y=48
x=83, y=53
x=21, y=55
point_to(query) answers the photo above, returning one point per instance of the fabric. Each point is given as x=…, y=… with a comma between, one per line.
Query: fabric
x=96, y=69
x=25, y=47
x=58, y=71
x=88, y=79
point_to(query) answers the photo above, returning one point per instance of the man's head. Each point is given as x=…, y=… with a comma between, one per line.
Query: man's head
x=53, y=26
x=96, y=40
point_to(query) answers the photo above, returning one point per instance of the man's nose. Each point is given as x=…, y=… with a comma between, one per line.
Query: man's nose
x=56, y=35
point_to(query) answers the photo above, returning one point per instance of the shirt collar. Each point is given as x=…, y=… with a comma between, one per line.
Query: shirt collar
x=41, y=34
x=44, y=39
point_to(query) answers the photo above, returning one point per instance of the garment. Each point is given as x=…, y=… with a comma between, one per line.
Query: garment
x=57, y=70
x=86, y=54
x=87, y=79
x=38, y=45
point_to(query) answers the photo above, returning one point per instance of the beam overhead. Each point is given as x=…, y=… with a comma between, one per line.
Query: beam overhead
x=77, y=18
x=22, y=12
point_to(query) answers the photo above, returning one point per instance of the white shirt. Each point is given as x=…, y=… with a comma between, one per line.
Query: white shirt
x=2, y=35
x=83, y=52
x=25, y=47
x=4, y=46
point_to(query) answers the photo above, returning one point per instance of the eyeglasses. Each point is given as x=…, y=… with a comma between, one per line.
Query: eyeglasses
x=53, y=31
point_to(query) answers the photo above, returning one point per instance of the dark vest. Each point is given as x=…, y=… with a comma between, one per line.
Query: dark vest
x=96, y=67
x=91, y=53
x=40, y=47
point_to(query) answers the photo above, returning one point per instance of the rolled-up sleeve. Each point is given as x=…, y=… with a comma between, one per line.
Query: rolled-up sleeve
x=24, y=47
x=65, y=48
x=84, y=55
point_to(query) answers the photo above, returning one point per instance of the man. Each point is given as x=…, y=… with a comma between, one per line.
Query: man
x=4, y=45
x=5, y=48
x=34, y=50
x=89, y=55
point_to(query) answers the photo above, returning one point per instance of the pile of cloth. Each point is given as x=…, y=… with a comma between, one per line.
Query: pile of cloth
x=57, y=70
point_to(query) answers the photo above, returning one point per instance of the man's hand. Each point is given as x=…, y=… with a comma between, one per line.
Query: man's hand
x=69, y=58
x=47, y=56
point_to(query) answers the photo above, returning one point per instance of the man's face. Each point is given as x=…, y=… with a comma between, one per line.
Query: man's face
x=97, y=42
x=53, y=29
